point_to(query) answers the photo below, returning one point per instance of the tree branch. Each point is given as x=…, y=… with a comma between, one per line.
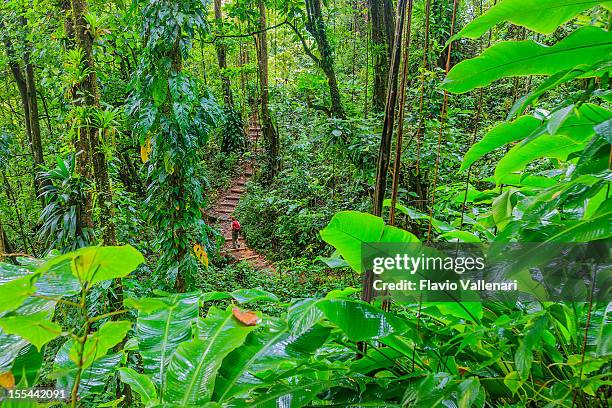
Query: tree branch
x=252, y=33
x=307, y=49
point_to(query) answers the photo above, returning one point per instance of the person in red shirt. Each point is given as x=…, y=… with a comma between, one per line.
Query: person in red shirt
x=235, y=232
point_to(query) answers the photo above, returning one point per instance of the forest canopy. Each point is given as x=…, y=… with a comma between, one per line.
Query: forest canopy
x=197, y=200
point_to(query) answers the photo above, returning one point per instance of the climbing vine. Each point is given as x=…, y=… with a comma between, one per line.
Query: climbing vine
x=173, y=118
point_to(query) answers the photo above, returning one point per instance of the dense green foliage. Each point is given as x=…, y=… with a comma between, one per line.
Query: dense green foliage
x=506, y=138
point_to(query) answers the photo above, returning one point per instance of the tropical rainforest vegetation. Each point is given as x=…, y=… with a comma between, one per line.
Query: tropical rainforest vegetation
x=131, y=131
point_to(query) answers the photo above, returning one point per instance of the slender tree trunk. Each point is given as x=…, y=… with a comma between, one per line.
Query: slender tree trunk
x=222, y=58
x=88, y=96
x=37, y=150
x=382, y=21
x=316, y=27
x=384, y=151
x=5, y=246
x=400, y=120
x=270, y=136
x=27, y=91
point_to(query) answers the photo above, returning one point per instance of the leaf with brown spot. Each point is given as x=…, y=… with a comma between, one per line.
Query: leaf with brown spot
x=248, y=317
x=201, y=254
x=7, y=380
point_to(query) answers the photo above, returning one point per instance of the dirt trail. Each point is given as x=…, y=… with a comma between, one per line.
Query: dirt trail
x=224, y=207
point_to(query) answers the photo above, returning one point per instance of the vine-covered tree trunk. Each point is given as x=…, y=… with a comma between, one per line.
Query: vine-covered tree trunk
x=87, y=95
x=316, y=27
x=269, y=133
x=382, y=20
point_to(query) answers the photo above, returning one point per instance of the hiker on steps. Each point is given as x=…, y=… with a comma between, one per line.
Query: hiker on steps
x=235, y=232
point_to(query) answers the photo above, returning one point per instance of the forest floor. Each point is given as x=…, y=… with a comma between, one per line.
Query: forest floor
x=227, y=202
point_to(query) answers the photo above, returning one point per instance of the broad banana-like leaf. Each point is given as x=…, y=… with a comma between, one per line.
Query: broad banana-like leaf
x=557, y=79
x=572, y=133
x=298, y=392
x=587, y=45
x=302, y=315
x=94, y=379
x=140, y=383
x=359, y=320
x=265, y=352
x=242, y=296
x=542, y=16
x=499, y=136
x=55, y=283
x=163, y=324
x=591, y=229
x=193, y=367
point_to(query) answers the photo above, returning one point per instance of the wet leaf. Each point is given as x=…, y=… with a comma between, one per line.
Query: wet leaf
x=248, y=317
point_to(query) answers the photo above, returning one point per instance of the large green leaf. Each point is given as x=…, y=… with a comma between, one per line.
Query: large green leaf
x=265, y=352
x=298, y=392
x=37, y=328
x=27, y=365
x=302, y=315
x=524, y=353
x=348, y=230
x=98, y=343
x=599, y=69
x=542, y=16
x=55, y=283
x=587, y=45
x=571, y=130
x=194, y=365
x=241, y=296
x=591, y=229
x=97, y=264
x=94, y=379
x=359, y=320
x=140, y=383
x=163, y=324
x=15, y=292
x=499, y=136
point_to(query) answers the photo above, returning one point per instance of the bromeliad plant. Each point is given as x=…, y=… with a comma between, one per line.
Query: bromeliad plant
x=64, y=192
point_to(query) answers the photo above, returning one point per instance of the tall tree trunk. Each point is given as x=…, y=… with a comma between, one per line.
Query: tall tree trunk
x=27, y=91
x=316, y=27
x=222, y=58
x=36, y=141
x=269, y=133
x=384, y=151
x=87, y=95
x=5, y=246
x=382, y=21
